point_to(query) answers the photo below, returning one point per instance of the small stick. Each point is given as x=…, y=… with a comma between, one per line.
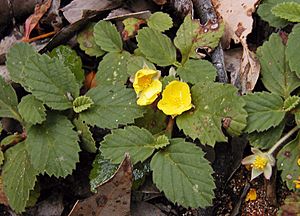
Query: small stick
x=39, y=37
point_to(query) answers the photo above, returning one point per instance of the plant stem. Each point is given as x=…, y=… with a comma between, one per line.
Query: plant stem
x=283, y=139
x=169, y=128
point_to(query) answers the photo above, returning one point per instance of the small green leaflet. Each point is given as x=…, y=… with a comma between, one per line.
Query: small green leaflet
x=88, y=142
x=136, y=63
x=214, y=103
x=82, y=103
x=8, y=101
x=53, y=146
x=50, y=81
x=102, y=170
x=131, y=26
x=267, y=138
x=287, y=10
x=191, y=35
x=276, y=74
x=70, y=59
x=182, y=173
x=287, y=162
x=87, y=42
x=112, y=70
x=264, y=109
x=19, y=176
x=1, y=157
x=107, y=37
x=160, y=21
x=138, y=142
x=292, y=50
x=16, y=59
x=290, y=103
x=156, y=47
x=113, y=106
x=194, y=71
x=32, y=110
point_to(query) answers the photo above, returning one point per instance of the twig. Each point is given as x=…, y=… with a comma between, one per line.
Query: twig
x=206, y=12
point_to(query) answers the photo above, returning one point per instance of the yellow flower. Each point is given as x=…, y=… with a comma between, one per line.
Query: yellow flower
x=251, y=195
x=147, y=86
x=297, y=183
x=298, y=161
x=176, y=98
x=261, y=162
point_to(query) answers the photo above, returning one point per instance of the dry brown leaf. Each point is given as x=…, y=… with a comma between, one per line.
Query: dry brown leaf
x=112, y=197
x=3, y=198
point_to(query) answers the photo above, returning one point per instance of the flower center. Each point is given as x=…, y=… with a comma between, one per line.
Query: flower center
x=259, y=163
x=145, y=81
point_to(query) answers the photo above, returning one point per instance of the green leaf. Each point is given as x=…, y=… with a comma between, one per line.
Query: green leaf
x=112, y=69
x=82, y=103
x=161, y=141
x=291, y=103
x=19, y=176
x=34, y=196
x=1, y=157
x=53, y=146
x=88, y=142
x=113, y=106
x=264, y=109
x=8, y=101
x=136, y=63
x=160, y=21
x=87, y=42
x=32, y=110
x=292, y=50
x=50, y=81
x=267, y=138
x=191, y=35
x=11, y=139
x=16, y=59
x=70, y=59
x=154, y=121
x=194, y=71
x=131, y=26
x=138, y=142
x=287, y=161
x=183, y=174
x=107, y=37
x=264, y=11
x=156, y=46
x=287, y=10
x=102, y=171
x=214, y=103
x=276, y=74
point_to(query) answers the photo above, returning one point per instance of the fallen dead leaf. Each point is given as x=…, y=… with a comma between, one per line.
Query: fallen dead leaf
x=33, y=20
x=112, y=197
x=78, y=9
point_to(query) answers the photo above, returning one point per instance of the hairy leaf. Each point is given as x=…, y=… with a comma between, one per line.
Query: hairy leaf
x=214, y=103
x=19, y=176
x=291, y=103
x=1, y=157
x=107, y=37
x=292, y=50
x=70, y=59
x=16, y=59
x=138, y=142
x=182, y=173
x=88, y=142
x=191, y=35
x=136, y=63
x=156, y=46
x=194, y=71
x=82, y=103
x=160, y=21
x=86, y=40
x=53, y=146
x=32, y=110
x=276, y=74
x=265, y=110
x=50, y=81
x=287, y=10
x=287, y=161
x=102, y=170
x=112, y=69
x=267, y=138
x=8, y=101
x=113, y=105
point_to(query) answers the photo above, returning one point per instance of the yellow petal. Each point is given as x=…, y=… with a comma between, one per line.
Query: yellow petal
x=148, y=95
x=143, y=78
x=176, y=98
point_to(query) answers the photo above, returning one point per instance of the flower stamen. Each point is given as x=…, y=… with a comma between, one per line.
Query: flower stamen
x=260, y=162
